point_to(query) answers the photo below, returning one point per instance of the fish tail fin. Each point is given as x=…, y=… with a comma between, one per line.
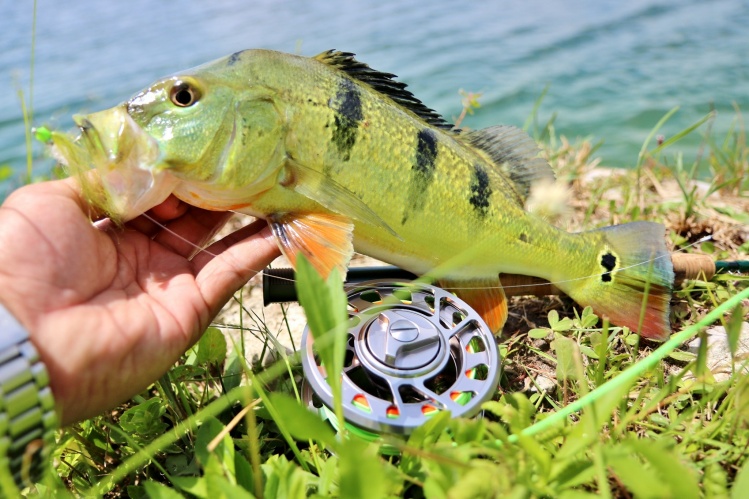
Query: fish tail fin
x=634, y=286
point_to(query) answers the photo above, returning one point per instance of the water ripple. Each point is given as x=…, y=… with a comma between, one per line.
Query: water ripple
x=613, y=68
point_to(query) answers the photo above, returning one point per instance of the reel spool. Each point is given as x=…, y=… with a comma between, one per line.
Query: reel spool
x=412, y=351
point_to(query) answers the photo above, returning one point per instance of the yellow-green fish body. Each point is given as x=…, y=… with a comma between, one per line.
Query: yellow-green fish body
x=325, y=148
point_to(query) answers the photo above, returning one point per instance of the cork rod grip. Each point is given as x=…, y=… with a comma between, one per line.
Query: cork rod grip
x=688, y=266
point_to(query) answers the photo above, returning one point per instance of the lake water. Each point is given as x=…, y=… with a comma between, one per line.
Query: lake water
x=613, y=68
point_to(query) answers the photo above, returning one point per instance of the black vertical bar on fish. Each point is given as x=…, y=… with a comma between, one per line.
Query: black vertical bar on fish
x=348, y=107
x=480, y=191
x=422, y=172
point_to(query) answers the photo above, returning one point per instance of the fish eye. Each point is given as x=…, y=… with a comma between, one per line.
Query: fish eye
x=183, y=94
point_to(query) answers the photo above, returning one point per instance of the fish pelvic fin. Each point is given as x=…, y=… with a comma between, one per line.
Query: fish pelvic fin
x=326, y=240
x=514, y=153
x=636, y=279
x=485, y=296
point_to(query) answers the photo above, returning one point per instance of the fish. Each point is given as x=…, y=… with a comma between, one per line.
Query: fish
x=339, y=157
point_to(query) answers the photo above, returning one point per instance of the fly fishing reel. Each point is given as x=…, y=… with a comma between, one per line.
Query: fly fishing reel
x=412, y=351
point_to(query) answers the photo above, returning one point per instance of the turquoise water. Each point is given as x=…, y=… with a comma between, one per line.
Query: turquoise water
x=613, y=68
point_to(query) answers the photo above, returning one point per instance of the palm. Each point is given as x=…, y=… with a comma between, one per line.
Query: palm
x=111, y=310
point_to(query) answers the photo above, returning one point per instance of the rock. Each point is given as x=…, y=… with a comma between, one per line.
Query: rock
x=542, y=384
x=540, y=344
x=718, y=354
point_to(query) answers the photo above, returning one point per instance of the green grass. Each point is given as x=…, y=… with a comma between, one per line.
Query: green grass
x=625, y=419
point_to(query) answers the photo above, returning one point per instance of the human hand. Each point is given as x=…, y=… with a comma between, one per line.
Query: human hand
x=111, y=309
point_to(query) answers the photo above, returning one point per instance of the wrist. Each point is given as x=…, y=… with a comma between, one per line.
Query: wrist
x=27, y=411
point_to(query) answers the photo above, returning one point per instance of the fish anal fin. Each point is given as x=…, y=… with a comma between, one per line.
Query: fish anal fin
x=485, y=296
x=514, y=153
x=384, y=83
x=325, y=239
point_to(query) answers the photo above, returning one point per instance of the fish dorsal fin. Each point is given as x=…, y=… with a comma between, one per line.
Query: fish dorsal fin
x=383, y=83
x=514, y=152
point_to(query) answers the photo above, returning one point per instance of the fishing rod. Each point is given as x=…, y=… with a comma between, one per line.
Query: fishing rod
x=407, y=360
x=278, y=284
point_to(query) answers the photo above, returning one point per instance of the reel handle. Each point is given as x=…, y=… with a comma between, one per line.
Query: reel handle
x=278, y=284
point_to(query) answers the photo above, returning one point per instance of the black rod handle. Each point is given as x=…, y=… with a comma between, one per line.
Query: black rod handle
x=278, y=284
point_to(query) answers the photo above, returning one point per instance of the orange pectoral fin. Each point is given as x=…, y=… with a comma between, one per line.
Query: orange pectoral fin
x=326, y=240
x=485, y=296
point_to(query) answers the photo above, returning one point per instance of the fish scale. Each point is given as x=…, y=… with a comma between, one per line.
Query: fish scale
x=338, y=156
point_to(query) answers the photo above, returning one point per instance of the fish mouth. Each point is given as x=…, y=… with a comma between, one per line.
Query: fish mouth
x=127, y=161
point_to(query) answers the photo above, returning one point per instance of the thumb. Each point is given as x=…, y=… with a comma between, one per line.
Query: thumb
x=229, y=263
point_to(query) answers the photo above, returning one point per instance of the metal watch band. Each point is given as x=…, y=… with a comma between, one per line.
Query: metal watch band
x=27, y=409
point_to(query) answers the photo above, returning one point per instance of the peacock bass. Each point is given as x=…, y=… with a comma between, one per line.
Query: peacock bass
x=339, y=157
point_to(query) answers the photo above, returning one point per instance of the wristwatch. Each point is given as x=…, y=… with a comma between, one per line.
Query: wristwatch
x=27, y=409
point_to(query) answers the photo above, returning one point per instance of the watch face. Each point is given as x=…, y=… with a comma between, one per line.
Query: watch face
x=11, y=331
